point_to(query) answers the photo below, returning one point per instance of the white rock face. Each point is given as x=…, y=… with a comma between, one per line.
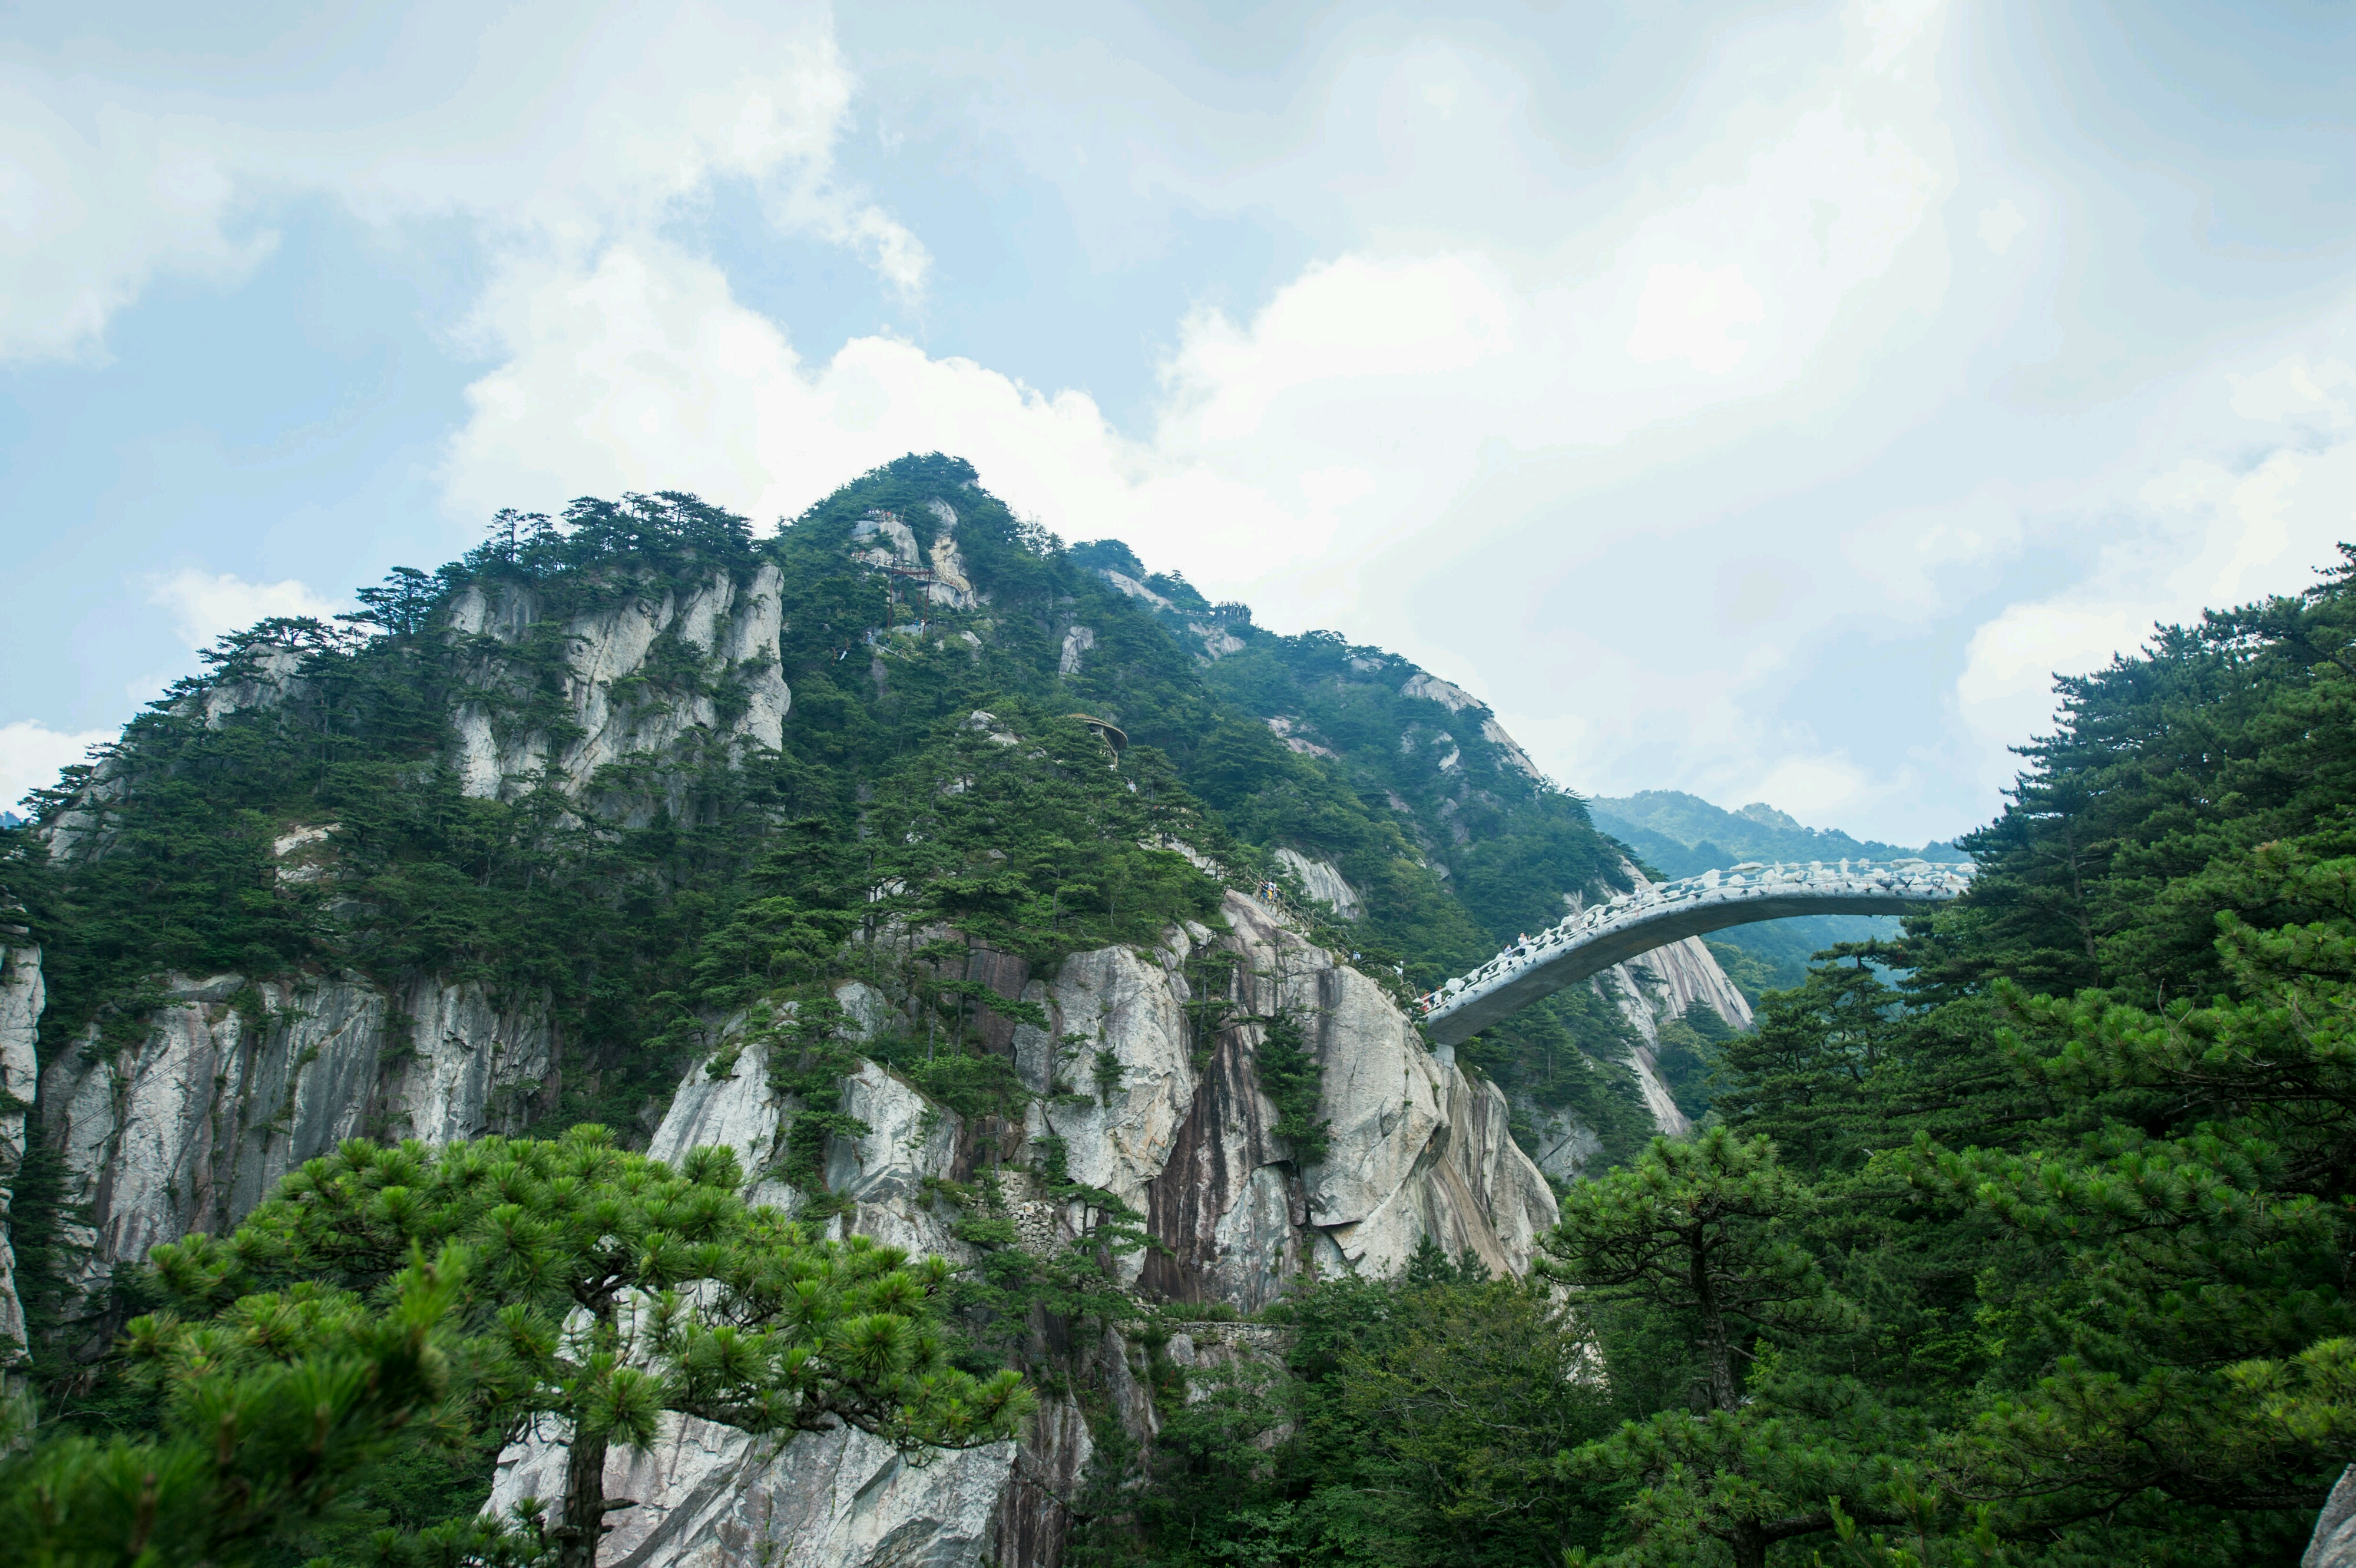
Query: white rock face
x=1077, y=641
x=1626, y=990
x=906, y=1141
x=2333, y=1542
x=710, y=1496
x=1649, y=992
x=1418, y=1150
x=1432, y=688
x=1689, y=974
x=949, y=587
x=21, y=998
x=1414, y=1148
x=890, y=542
x=727, y=1105
x=1514, y=756
x=1121, y=1137
x=1217, y=640
x=1324, y=880
x=234, y=1085
x=734, y=627
x=1133, y=588
x=1384, y=1095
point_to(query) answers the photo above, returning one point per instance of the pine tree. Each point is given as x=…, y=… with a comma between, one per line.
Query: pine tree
x=607, y=1288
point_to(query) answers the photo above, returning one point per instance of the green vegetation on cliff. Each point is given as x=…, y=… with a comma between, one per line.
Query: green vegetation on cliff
x=1964, y=1275
x=387, y=797
x=596, y=901
x=2020, y=1239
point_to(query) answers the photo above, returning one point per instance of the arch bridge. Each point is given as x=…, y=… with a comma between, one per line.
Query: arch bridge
x=1594, y=939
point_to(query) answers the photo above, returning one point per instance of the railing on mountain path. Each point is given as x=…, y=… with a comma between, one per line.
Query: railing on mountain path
x=1594, y=940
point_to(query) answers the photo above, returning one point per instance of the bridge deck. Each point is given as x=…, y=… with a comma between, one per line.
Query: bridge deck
x=1594, y=939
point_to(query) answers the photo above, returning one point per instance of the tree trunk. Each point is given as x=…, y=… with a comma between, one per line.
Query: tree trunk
x=1749, y=1543
x=1723, y=1394
x=584, y=1502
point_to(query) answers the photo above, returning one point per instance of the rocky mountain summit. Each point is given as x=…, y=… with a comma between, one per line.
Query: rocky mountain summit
x=562, y=831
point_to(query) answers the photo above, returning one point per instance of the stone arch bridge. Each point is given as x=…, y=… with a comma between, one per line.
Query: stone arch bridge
x=1594, y=939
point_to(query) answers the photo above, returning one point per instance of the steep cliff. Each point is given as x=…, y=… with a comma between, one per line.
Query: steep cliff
x=725, y=630
x=237, y=1081
x=1418, y=1149
x=545, y=836
x=22, y=996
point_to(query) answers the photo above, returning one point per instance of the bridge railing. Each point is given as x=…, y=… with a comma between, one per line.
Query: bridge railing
x=1902, y=880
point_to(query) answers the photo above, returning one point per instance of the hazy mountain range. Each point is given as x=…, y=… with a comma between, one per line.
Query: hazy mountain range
x=1679, y=834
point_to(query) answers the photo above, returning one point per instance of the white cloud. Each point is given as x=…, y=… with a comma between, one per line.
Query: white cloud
x=1479, y=443
x=2000, y=225
x=2199, y=533
x=2006, y=690
x=1393, y=406
x=96, y=201
x=1689, y=312
x=1814, y=788
x=31, y=754
x=2297, y=390
x=1892, y=27
x=1401, y=370
x=1913, y=555
x=204, y=604
x=545, y=126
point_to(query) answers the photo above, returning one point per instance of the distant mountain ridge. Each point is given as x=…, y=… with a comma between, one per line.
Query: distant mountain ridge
x=1685, y=835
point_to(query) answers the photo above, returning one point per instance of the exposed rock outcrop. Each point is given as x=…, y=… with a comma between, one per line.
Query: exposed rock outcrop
x=1649, y=991
x=234, y=1084
x=726, y=628
x=1416, y=1149
x=1324, y=880
x=730, y=628
x=1446, y=694
x=1515, y=757
x=21, y=997
x=711, y=1497
x=1299, y=744
x=2334, y=1545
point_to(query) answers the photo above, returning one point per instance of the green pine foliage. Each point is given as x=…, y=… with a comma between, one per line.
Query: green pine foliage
x=270, y=1417
x=2021, y=1238
x=933, y=778
x=1417, y=1420
x=1289, y=1075
x=589, y=1285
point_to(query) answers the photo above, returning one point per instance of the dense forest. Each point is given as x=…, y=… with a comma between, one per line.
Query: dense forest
x=2041, y=1256
x=2022, y=1238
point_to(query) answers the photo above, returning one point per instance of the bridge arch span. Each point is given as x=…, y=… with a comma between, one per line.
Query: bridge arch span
x=1595, y=939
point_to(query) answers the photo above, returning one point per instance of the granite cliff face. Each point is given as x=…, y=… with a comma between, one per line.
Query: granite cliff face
x=21, y=996
x=1648, y=992
x=721, y=632
x=235, y=1082
x=604, y=701
x=1418, y=1149
x=728, y=627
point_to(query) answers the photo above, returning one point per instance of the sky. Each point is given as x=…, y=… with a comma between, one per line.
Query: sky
x=1762, y=401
